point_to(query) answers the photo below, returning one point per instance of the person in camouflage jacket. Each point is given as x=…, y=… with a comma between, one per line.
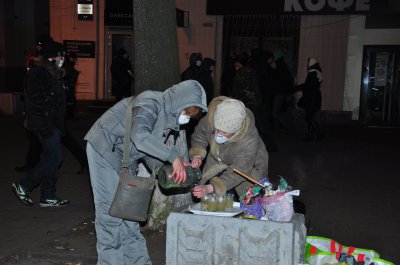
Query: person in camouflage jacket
x=246, y=86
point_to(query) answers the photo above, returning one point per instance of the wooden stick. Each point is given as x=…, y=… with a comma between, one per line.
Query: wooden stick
x=247, y=177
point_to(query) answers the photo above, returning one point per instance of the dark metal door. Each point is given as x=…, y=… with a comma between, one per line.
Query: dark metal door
x=380, y=91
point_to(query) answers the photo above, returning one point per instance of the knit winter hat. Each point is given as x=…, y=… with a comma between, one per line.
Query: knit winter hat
x=53, y=49
x=312, y=61
x=229, y=115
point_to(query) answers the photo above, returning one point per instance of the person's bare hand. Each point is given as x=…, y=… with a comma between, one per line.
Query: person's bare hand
x=196, y=162
x=178, y=173
x=201, y=190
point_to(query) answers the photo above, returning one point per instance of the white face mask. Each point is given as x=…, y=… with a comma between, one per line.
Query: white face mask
x=183, y=119
x=59, y=63
x=198, y=63
x=220, y=139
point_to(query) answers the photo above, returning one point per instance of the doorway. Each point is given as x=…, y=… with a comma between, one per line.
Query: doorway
x=117, y=39
x=380, y=91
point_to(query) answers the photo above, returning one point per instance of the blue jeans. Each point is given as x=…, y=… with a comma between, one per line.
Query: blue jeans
x=46, y=171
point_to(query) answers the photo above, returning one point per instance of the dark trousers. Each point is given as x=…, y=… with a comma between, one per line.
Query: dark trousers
x=35, y=150
x=46, y=171
x=313, y=130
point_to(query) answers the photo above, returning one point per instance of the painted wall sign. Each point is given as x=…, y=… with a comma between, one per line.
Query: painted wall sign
x=327, y=6
x=82, y=48
x=85, y=9
x=118, y=17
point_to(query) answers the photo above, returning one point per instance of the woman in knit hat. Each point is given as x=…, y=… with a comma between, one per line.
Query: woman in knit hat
x=229, y=131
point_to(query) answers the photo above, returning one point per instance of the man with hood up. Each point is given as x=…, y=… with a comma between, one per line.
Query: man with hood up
x=229, y=131
x=194, y=69
x=156, y=116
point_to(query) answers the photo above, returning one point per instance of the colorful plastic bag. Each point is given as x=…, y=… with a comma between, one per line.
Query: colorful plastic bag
x=321, y=250
x=278, y=207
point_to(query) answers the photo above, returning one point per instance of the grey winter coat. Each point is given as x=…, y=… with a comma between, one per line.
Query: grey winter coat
x=155, y=115
x=245, y=151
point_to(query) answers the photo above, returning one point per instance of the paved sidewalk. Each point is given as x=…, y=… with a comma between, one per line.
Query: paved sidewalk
x=348, y=181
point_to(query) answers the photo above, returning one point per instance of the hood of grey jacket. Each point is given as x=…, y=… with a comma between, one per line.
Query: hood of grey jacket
x=183, y=95
x=106, y=135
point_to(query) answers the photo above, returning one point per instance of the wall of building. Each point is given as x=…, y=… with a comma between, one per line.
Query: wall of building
x=204, y=35
x=336, y=41
x=382, y=37
x=19, y=22
x=66, y=26
x=351, y=97
x=325, y=38
x=358, y=37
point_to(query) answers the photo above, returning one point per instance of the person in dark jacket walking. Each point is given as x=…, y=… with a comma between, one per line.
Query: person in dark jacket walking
x=68, y=140
x=45, y=103
x=312, y=98
x=156, y=117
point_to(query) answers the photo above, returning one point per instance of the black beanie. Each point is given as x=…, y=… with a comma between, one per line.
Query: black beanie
x=53, y=49
x=42, y=40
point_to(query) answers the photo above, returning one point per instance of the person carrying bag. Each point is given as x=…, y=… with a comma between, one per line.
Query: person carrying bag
x=133, y=196
x=121, y=198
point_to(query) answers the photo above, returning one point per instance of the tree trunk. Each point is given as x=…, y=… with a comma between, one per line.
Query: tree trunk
x=156, y=45
x=157, y=68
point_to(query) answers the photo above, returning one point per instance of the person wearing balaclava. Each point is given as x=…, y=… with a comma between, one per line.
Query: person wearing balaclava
x=228, y=131
x=157, y=118
x=311, y=99
x=45, y=109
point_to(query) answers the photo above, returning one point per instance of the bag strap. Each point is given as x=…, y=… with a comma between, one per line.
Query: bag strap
x=127, y=136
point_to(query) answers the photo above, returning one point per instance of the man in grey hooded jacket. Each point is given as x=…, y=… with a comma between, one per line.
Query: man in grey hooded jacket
x=156, y=117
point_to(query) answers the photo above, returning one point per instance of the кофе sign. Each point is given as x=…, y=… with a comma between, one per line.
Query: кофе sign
x=302, y=7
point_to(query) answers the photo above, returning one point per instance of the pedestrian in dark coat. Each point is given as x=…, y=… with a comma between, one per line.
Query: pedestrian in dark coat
x=45, y=103
x=312, y=98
